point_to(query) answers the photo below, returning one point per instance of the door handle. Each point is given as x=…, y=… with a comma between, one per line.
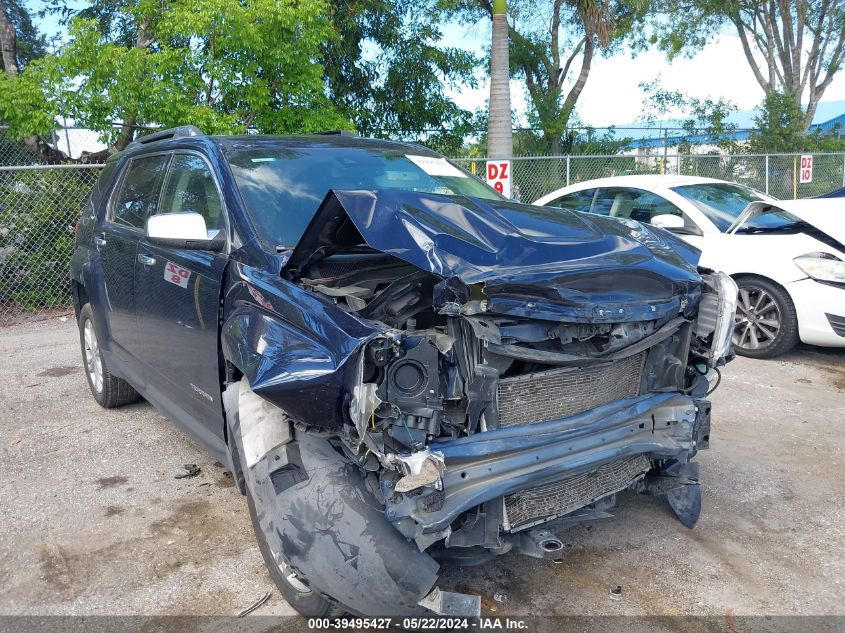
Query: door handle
x=146, y=260
x=100, y=240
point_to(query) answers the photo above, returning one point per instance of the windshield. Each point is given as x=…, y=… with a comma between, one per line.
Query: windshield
x=722, y=203
x=282, y=187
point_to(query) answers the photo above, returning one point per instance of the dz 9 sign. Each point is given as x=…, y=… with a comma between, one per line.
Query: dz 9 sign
x=806, y=172
x=499, y=176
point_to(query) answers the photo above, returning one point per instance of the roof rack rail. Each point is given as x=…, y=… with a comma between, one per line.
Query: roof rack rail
x=337, y=133
x=165, y=135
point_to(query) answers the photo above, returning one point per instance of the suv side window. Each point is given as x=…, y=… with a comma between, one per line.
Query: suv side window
x=139, y=191
x=576, y=201
x=635, y=204
x=190, y=188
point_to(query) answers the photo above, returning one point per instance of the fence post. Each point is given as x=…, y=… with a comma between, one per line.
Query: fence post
x=843, y=170
x=767, y=174
x=567, y=170
x=679, y=163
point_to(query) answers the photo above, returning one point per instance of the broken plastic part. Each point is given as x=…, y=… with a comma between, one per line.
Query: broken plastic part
x=452, y=604
x=422, y=468
x=685, y=501
x=264, y=426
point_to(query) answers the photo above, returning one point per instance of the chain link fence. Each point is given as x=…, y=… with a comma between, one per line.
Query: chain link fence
x=39, y=205
x=775, y=174
x=73, y=143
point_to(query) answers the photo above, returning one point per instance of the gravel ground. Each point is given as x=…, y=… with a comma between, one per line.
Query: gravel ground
x=94, y=522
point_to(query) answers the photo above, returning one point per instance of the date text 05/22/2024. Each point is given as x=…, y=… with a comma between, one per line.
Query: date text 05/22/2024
x=431, y=624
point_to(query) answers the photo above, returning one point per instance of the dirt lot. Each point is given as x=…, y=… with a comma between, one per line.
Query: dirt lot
x=94, y=523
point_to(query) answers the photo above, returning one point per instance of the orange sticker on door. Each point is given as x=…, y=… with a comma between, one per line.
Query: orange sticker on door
x=176, y=274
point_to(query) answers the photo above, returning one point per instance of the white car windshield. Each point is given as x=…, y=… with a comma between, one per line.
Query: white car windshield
x=721, y=202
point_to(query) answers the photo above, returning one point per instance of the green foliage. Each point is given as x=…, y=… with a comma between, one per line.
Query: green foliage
x=388, y=71
x=37, y=212
x=222, y=66
x=578, y=140
x=279, y=66
x=693, y=116
x=780, y=129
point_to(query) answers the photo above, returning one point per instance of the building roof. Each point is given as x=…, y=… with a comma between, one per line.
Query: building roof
x=670, y=132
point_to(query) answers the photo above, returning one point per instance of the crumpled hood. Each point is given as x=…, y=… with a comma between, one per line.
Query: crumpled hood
x=515, y=250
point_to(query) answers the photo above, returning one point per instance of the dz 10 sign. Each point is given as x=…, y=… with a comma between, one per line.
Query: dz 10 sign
x=499, y=176
x=806, y=171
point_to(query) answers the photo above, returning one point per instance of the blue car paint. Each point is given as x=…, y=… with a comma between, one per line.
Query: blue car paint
x=296, y=347
x=837, y=193
x=534, y=262
x=516, y=250
x=292, y=345
x=162, y=338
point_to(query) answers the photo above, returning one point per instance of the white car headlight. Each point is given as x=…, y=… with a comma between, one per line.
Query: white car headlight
x=822, y=267
x=726, y=320
x=716, y=315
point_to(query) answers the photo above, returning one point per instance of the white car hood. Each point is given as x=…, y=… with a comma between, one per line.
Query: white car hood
x=826, y=214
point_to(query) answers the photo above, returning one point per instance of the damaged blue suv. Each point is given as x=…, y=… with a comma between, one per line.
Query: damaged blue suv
x=401, y=368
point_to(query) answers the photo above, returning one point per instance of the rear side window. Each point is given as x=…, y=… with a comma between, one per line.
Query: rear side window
x=139, y=191
x=190, y=188
x=577, y=201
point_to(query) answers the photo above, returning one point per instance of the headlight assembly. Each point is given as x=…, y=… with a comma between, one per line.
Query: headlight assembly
x=716, y=315
x=822, y=267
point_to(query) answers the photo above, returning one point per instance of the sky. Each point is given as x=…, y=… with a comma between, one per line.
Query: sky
x=612, y=95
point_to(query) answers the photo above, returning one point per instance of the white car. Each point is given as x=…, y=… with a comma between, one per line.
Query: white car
x=787, y=257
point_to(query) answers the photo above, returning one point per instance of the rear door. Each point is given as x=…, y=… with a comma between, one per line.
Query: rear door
x=116, y=240
x=178, y=300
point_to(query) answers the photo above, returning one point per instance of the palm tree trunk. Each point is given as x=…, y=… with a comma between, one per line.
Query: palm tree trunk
x=499, y=136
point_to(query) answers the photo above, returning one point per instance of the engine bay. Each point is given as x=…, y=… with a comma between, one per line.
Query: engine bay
x=445, y=367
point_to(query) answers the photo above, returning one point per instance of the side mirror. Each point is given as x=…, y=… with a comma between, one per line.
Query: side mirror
x=182, y=230
x=668, y=221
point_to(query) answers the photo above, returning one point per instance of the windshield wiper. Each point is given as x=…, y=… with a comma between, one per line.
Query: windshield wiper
x=789, y=227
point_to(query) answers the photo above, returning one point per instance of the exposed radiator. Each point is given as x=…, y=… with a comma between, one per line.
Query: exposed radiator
x=561, y=392
x=544, y=503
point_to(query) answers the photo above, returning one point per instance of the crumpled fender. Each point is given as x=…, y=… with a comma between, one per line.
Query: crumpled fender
x=313, y=505
x=294, y=348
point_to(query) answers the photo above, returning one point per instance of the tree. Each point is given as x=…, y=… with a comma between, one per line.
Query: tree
x=691, y=116
x=499, y=133
x=780, y=129
x=222, y=66
x=793, y=47
x=552, y=47
x=20, y=43
x=20, y=40
x=387, y=71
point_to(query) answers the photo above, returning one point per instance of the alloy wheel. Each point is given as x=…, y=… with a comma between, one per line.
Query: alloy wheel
x=758, y=319
x=93, y=361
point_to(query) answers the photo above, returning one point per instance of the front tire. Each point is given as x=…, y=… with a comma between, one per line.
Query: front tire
x=305, y=600
x=766, y=322
x=108, y=390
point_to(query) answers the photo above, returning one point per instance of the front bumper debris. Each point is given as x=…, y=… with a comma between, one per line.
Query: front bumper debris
x=501, y=462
